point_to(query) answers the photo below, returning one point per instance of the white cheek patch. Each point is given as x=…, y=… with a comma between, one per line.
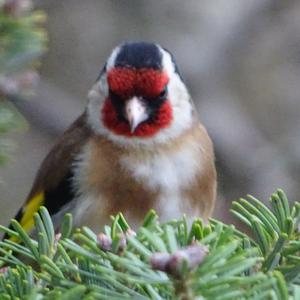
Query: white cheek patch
x=97, y=96
x=180, y=101
x=167, y=61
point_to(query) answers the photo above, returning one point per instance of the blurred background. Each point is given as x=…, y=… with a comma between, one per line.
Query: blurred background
x=240, y=60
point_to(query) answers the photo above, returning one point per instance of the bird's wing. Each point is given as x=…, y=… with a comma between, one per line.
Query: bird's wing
x=52, y=186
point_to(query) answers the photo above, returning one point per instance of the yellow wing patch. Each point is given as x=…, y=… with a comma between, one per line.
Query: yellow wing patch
x=31, y=207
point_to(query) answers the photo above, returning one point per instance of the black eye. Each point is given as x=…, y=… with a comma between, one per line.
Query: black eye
x=163, y=94
x=113, y=95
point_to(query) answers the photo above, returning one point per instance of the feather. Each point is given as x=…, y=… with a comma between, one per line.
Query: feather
x=52, y=186
x=30, y=208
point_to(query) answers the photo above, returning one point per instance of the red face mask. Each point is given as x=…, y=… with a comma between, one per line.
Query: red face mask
x=147, y=83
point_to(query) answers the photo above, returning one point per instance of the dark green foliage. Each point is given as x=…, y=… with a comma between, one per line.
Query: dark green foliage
x=22, y=43
x=118, y=264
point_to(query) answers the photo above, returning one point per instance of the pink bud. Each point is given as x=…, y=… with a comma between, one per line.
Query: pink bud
x=122, y=243
x=104, y=242
x=3, y=270
x=159, y=261
x=192, y=255
x=130, y=232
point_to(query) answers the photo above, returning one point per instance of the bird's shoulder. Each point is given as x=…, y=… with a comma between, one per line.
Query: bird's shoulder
x=52, y=184
x=59, y=160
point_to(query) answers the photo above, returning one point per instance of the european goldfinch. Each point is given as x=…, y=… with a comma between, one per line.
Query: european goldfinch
x=138, y=145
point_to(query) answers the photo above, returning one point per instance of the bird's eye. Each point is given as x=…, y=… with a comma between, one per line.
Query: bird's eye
x=113, y=95
x=163, y=93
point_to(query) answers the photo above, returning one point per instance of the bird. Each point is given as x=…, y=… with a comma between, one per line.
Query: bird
x=138, y=145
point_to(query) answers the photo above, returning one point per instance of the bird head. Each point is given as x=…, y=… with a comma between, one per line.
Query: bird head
x=139, y=96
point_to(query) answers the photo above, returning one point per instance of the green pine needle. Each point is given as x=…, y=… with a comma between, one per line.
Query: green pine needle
x=72, y=265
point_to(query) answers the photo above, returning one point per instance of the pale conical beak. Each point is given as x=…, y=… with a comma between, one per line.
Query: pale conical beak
x=135, y=112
